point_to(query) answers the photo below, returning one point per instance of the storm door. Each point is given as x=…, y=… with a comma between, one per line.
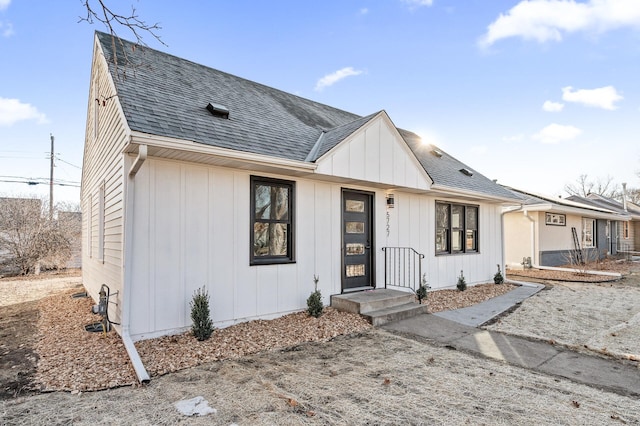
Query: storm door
x=357, y=240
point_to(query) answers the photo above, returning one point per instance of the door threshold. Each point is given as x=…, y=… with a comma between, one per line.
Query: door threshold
x=354, y=289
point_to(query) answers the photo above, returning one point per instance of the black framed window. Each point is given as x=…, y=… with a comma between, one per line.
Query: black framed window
x=272, y=220
x=456, y=228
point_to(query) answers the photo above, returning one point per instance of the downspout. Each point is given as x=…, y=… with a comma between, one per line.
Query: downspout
x=533, y=239
x=138, y=366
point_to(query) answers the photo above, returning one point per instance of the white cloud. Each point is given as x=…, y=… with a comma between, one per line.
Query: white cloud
x=12, y=111
x=333, y=78
x=4, y=4
x=417, y=3
x=603, y=97
x=555, y=133
x=550, y=106
x=549, y=20
x=6, y=29
x=363, y=11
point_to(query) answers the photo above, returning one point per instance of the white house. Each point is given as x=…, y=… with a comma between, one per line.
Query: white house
x=193, y=177
x=545, y=231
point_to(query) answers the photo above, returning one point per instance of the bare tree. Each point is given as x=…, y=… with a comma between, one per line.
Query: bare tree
x=30, y=239
x=98, y=11
x=585, y=186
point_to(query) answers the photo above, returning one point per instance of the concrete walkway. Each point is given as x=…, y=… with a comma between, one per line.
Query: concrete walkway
x=457, y=329
x=478, y=314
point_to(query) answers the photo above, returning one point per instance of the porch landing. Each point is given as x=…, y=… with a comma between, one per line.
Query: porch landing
x=380, y=306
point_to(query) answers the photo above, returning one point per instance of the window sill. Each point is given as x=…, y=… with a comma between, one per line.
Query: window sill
x=271, y=262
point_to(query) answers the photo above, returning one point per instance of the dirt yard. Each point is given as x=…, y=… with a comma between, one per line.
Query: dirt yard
x=372, y=377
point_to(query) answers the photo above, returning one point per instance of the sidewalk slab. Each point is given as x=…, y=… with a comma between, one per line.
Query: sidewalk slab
x=480, y=313
x=458, y=330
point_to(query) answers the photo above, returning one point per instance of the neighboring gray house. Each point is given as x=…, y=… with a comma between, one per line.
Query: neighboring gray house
x=193, y=177
x=621, y=235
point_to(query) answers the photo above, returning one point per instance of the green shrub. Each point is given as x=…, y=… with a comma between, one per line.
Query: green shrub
x=202, y=326
x=314, y=302
x=421, y=292
x=462, y=283
x=498, y=278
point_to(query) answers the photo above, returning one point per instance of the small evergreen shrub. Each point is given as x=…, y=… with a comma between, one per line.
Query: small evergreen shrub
x=202, y=326
x=314, y=302
x=462, y=283
x=498, y=278
x=421, y=292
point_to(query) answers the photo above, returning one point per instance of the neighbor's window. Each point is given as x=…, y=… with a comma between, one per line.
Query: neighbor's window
x=456, y=228
x=271, y=220
x=555, y=219
x=625, y=230
x=588, y=233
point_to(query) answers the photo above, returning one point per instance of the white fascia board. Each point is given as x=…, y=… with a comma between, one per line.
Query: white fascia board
x=138, y=138
x=577, y=211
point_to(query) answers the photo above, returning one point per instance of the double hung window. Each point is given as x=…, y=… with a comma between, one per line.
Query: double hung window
x=272, y=221
x=456, y=228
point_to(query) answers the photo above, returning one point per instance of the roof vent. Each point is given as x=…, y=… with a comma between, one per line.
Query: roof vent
x=436, y=152
x=466, y=172
x=218, y=110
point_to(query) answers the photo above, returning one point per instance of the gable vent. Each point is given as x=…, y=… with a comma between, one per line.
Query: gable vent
x=218, y=110
x=436, y=152
x=466, y=172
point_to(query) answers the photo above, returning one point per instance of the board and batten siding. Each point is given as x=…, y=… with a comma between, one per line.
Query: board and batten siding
x=191, y=229
x=375, y=153
x=102, y=188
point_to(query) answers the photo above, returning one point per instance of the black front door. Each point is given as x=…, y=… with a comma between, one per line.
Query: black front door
x=357, y=240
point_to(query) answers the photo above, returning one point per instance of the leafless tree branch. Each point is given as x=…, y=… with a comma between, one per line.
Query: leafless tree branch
x=111, y=20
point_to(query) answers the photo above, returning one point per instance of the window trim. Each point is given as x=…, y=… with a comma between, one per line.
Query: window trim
x=271, y=260
x=464, y=229
x=625, y=230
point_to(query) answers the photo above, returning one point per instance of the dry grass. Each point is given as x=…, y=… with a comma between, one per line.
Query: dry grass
x=369, y=378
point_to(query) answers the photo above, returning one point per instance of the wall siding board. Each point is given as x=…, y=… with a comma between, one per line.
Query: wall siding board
x=103, y=165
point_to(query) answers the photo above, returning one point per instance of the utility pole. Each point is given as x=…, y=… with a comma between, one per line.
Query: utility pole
x=51, y=182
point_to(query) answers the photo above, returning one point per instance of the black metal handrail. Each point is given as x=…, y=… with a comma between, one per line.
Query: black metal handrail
x=402, y=267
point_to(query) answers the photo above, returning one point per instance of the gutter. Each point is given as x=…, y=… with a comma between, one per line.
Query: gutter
x=134, y=356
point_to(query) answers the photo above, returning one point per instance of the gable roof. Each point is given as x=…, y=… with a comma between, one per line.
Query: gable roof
x=167, y=96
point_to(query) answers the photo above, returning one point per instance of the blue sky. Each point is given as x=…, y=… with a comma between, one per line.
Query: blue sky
x=532, y=93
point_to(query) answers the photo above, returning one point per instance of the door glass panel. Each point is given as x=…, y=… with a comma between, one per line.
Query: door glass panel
x=353, y=249
x=354, y=206
x=354, y=227
x=355, y=270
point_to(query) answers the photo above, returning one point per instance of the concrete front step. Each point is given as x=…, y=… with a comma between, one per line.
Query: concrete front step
x=362, y=302
x=379, y=306
x=395, y=313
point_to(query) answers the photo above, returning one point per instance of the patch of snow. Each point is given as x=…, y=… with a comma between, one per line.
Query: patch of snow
x=194, y=406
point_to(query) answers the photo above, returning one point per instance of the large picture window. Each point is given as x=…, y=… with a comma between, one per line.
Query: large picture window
x=272, y=224
x=456, y=228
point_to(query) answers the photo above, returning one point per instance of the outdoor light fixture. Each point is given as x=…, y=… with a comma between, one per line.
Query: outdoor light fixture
x=390, y=201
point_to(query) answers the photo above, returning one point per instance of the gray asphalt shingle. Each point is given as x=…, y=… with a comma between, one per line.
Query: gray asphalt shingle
x=164, y=95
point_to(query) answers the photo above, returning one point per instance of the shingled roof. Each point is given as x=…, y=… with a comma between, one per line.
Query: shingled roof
x=167, y=96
